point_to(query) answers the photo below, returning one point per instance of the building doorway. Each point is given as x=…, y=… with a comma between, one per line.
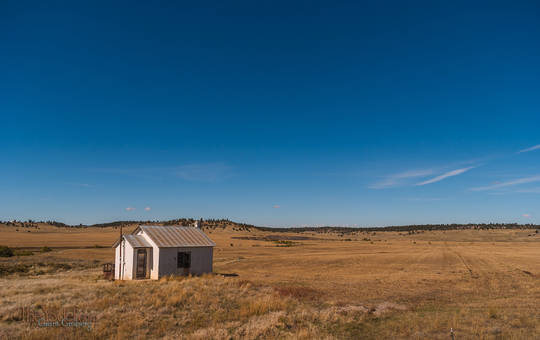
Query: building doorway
x=141, y=264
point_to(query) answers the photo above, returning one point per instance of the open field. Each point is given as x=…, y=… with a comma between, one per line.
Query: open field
x=481, y=283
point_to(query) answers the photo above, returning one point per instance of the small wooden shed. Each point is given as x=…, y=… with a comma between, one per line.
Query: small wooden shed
x=151, y=252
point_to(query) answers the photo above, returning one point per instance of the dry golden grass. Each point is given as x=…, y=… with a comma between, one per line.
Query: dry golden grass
x=51, y=236
x=482, y=283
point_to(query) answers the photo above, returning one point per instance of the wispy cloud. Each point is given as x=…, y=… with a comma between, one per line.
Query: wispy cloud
x=500, y=185
x=532, y=148
x=526, y=215
x=446, y=175
x=130, y=209
x=400, y=178
x=147, y=208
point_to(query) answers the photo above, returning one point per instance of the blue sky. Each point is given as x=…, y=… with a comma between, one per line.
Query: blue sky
x=272, y=113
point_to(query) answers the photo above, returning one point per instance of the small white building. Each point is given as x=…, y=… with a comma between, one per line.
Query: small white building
x=151, y=252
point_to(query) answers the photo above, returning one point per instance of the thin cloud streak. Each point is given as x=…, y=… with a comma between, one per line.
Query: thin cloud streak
x=519, y=181
x=446, y=175
x=397, y=179
x=532, y=148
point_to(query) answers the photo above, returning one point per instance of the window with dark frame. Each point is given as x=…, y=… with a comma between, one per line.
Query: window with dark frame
x=184, y=260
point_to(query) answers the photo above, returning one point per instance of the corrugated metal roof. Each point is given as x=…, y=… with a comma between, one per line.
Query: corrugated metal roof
x=173, y=236
x=137, y=241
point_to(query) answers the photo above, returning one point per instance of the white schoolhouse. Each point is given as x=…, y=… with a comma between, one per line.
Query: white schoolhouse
x=151, y=252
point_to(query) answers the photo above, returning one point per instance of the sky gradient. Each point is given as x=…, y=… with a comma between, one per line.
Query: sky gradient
x=271, y=113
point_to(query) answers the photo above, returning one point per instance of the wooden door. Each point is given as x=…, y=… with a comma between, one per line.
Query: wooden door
x=184, y=263
x=141, y=263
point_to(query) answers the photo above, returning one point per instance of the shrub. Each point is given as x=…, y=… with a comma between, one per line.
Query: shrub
x=45, y=249
x=5, y=251
x=14, y=268
x=285, y=243
x=23, y=253
x=60, y=266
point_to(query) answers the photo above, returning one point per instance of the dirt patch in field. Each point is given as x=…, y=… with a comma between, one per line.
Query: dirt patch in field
x=386, y=307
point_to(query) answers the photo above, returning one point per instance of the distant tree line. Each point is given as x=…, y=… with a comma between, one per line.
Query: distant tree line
x=223, y=223
x=406, y=228
x=208, y=224
x=22, y=224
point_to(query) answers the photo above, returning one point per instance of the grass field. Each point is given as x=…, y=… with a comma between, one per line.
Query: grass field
x=481, y=283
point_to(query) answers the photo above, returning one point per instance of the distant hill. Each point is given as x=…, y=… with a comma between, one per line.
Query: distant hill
x=406, y=228
x=207, y=224
x=224, y=223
